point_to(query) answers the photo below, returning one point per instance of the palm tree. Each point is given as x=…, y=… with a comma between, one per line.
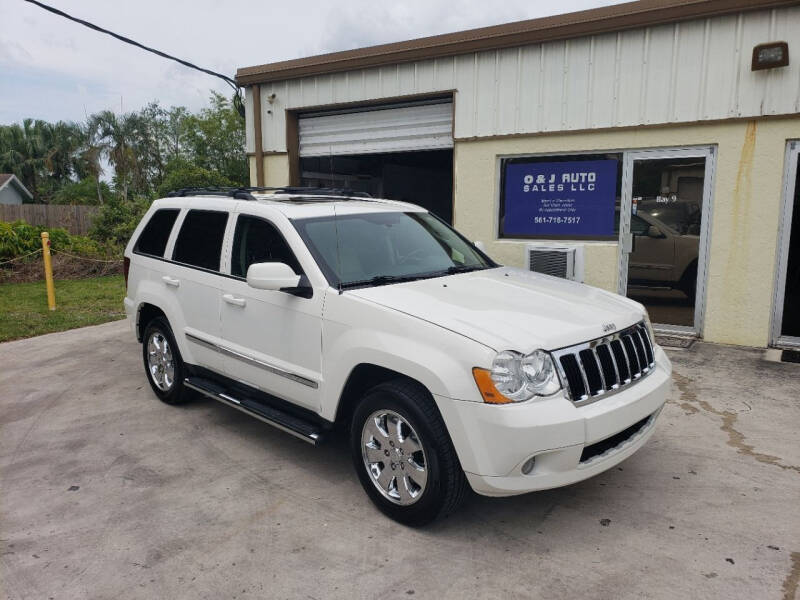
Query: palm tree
x=22, y=152
x=115, y=139
x=89, y=162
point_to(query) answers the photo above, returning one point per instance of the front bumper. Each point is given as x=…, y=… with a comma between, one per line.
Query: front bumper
x=494, y=442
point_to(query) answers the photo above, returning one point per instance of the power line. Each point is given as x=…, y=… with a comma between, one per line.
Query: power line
x=122, y=38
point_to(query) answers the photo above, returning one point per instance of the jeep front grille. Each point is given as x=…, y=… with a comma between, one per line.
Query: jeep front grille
x=605, y=365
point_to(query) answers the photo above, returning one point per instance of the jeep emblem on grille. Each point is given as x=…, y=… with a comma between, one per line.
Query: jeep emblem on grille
x=608, y=327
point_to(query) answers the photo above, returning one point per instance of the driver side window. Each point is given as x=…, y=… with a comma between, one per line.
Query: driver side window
x=256, y=240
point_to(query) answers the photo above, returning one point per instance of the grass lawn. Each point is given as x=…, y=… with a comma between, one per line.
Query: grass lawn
x=79, y=302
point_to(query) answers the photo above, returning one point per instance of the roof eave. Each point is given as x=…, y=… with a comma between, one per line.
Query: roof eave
x=19, y=187
x=606, y=19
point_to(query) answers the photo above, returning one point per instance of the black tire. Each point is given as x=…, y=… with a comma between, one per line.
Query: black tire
x=177, y=392
x=688, y=282
x=446, y=484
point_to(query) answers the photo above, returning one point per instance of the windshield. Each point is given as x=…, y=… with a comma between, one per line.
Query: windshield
x=380, y=248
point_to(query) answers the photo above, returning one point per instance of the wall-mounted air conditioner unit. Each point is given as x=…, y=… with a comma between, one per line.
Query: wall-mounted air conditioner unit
x=565, y=261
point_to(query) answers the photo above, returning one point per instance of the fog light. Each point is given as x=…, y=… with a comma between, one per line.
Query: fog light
x=527, y=466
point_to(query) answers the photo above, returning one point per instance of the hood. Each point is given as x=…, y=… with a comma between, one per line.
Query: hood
x=510, y=309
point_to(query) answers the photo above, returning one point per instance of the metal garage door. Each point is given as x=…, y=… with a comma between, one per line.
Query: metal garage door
x=380, y=130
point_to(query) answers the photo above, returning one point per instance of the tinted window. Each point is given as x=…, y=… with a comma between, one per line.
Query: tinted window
x=200, y=240
x=154, y=236
x=354, y=249
x=258, y=241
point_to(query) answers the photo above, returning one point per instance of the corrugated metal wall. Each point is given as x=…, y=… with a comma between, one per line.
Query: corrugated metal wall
x=427, y=127
x=690, y=71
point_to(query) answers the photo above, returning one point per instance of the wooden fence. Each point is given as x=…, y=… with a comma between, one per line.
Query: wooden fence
x=75, y=219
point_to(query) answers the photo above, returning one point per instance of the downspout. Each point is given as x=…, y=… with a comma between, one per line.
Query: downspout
x=257, y=135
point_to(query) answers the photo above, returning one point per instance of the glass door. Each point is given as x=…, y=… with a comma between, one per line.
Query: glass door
x=786, y=316
x=662, y=234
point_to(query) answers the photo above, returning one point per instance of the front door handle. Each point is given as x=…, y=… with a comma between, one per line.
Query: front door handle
x=231, y=299
x=171, y=281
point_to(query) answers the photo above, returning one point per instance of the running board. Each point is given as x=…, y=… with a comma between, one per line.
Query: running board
x=300, y=428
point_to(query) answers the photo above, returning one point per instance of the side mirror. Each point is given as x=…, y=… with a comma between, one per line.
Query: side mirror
x=271, y=276
x=480, y=246
x=654, y=232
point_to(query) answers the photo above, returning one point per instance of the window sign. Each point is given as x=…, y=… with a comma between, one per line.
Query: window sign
x=564, y=198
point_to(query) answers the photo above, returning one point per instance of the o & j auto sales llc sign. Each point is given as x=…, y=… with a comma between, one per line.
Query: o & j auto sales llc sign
x=560, y=198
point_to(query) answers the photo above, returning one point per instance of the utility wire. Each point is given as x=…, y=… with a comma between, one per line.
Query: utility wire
x=122, y=38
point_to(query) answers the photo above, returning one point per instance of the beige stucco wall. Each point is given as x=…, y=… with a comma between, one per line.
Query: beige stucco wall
x=276, y=169
x=745, y=210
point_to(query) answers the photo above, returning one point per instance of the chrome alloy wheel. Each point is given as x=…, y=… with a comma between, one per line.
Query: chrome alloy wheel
x=394, y=457
x=160, y=362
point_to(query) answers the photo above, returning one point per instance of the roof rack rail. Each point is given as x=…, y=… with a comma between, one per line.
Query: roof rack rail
x=245, y=193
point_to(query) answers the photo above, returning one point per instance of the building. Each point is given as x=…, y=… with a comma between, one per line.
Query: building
x=657, y=141
x=12, y=191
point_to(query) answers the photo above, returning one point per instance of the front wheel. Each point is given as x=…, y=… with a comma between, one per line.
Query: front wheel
x=403, y=454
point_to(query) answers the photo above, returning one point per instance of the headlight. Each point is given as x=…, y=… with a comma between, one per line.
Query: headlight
x=649, y=326
x=516, y=378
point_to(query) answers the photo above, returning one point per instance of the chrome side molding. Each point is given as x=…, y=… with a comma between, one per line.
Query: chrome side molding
x=252, y=361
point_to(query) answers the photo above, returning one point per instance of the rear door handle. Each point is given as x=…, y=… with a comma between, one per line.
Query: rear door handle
x=230, y=299
x=171, y=281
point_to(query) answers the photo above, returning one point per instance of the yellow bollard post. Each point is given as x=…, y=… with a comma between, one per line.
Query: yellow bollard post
x=48, y=271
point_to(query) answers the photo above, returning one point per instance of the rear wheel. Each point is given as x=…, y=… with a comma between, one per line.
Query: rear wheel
x=403, y=454
x=162, y=362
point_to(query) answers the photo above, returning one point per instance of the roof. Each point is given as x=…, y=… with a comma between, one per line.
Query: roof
x=11, y=179
x=587, y=22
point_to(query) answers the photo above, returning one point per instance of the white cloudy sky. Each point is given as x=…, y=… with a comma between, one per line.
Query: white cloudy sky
x=51, y=68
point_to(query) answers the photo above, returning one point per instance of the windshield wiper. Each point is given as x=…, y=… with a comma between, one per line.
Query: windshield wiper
x=381, y=280
x=387, y=279
x=462, y=269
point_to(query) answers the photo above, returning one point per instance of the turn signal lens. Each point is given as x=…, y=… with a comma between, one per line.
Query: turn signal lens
x=483, y=378
x=515, y=377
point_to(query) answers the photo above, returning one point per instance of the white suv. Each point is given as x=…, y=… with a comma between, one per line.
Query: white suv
x=312, y=309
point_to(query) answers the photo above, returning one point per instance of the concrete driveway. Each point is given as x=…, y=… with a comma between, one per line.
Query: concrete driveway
x=107, y=493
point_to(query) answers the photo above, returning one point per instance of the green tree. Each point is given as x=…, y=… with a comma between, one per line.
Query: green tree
x=81, y=192
x=182, y=174
x=152, y=150
x=117, y=219
x=22, y=153
x=215, y=140
x=123, y=141
x=42, y=155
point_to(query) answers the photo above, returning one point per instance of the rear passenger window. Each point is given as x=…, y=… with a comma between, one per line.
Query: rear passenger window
x=257, y=240
x=154, y=236
x=199, y=242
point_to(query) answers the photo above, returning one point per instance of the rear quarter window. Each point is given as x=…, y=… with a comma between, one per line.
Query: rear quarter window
x=154, y=236
x=199, y=242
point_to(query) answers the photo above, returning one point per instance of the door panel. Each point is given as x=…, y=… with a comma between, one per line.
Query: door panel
x=276, y=338
x=198, y=294
x=273, y=338
x=786, y=326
